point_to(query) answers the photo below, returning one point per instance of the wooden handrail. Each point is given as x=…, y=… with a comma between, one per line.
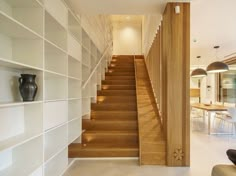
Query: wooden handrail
x=95, y=68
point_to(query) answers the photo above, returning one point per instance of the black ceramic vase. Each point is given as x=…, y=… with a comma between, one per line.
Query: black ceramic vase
x=28, y=87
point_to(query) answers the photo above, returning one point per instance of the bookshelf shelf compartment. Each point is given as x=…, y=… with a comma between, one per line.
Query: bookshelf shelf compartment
x=10, y=84
x=55, y=141
x=74, y=109
x=57, y=165
x=86, y=40
x=55, y=86
x=58, y=11
x=54, y=55
x=53, y=117
x=21, y=124
x=86, y=106
x=19, y=45
x=75, y=129
x=74, y=89
x=74, y=48
x=54, y=32
x=21, y=161
x=74, y=68
x=74, y=27
x=27, y=12
x=85, y=57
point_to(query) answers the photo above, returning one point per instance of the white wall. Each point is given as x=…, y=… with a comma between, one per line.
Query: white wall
x=127, y=38
x=208, y=94
x=150, y=26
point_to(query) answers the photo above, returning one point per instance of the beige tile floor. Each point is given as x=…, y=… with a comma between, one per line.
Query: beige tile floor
x=206, y=151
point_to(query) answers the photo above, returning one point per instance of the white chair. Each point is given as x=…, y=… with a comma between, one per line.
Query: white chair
x=229, y=118
x=232, y=118
x=198, y=119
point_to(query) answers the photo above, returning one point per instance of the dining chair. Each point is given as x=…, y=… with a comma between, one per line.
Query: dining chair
x=229, y=118
x=232, y=118
x=198, y=119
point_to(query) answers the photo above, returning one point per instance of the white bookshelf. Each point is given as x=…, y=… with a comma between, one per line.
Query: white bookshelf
x=45, y=38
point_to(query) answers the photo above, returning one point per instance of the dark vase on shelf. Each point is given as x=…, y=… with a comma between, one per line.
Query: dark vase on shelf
x=28, y=87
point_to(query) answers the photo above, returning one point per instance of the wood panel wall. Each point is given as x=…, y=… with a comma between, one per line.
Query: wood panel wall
x=168, y=63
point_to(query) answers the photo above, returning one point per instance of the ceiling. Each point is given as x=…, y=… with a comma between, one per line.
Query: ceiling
x=212, y=22
x=115, y=7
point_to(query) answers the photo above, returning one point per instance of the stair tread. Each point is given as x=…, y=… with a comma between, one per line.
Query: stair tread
x=108, y=121
x=114, y=112
x=111, y=132
x=105, y=146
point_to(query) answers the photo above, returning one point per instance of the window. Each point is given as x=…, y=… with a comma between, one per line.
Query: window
x=227, y=84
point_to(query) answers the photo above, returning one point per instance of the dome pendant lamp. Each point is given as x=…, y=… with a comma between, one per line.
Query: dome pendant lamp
x=199, y=72
x=217, y=67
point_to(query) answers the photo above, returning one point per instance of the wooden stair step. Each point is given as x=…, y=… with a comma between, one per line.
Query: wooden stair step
x=120, y=73
x=117, y=125
x=120, y=70
x=109, y=136
x=114, y=107
x=119, y=82
x=103, y=150
x=116, y=92
x=116, y=99
x=120, y=77
x=123, y=68
x=128, y=65
x=118, y=87
x=123, y=57
x=114, y=115
x=124, y=62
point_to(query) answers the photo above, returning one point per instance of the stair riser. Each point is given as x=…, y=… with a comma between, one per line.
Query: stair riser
x=116, y=99
x=114, y=116
x=110, y=87
x=130, y=63
x=102, y=153
x=120, y=78
x=107, y=138
x=124, y=82
x=116, y=93
x=114, y=107
x=110, y=126
x=122, y=65
x=122, y=68
x=120, y=74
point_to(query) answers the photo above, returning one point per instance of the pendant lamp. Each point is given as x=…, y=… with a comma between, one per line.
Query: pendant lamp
x=217, y=67
x=199, y=72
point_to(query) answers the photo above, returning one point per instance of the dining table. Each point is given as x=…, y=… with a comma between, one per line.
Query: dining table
x=209, y=108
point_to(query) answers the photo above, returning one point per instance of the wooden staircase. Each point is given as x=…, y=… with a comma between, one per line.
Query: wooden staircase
x=112, y=130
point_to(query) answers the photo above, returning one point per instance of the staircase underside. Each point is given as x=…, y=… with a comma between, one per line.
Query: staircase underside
x=151, y=138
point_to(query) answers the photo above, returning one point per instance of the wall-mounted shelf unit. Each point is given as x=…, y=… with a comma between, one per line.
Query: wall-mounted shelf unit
x=45, y=38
